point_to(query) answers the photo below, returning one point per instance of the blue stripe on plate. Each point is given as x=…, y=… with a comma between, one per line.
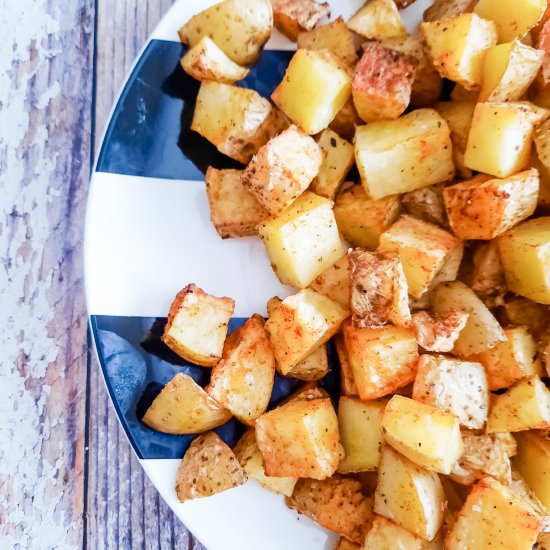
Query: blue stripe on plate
x=136, y=365
x=149, y=133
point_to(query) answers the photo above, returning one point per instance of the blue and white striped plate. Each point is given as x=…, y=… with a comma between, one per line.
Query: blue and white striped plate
x=148, y=234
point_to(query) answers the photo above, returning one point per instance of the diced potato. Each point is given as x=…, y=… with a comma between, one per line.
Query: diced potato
x=382, y=82
x=513, y=19
x=207, y=468
x=508, y=70
x=524, y=406
x=313, y=90
x=409, y=495
x=236, y=120
x=382, y=360
x=525, y=255
x=300, y=439
x=303, y=241
x=396, y=156
x=306, y=392
x=302, y=323
x=487, y=274
x=456, y=45
x=249, y=456
x=378, y=289
x=183, y=407
x=361, y=219
x=337, y=504
x=424, y=434
x=454, y=386
x=458, y=115
x=294, y=16
x=378, y=20
x=542, y=143
x=510, y=361
x=443, y=9
x=485, y=454
x=242, y=380
x=387, y=535
x=347, y=380
x=427, y=84
x=346, y=121
x=426, y=204
x=335, y=282
x=205, y=61
x=335, y=37
x=482, y=331
x=438, y=332
x=483, y=207
x=197, y=325
x=283, y=169
x=500, y=138
x=494, y=517
x=533, y=463
x=314, y=367
x=360, y=425
x=338, y=158
x=234, y=210
x=423, y=249
x=345, y=544
x=520, y=487
x=239, y=27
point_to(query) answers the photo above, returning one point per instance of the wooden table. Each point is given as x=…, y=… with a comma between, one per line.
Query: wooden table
x=68, y=478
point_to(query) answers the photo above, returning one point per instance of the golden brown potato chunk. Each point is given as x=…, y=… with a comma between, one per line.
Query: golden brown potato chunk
x=337, y=504
x=378, y=20
x=347, y=380
x=345, y=544
x=387, y=535
x=438, y=332
x=346, y=120
x=208, y=467
x=382, y=82
x=294, y=16
x=443, y=9
x=335, y=283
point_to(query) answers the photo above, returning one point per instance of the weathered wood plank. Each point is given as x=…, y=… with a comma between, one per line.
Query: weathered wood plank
x=45, y=117
x=124, y=509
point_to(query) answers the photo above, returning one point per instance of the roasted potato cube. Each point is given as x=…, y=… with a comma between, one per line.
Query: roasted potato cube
x=205, y=61
x=427, y=83
x=494, y=517
x=242, y=380
x=361, y=219
x=236, y=120
x=513, y=19
x=239, y=27
x=443, y=9
x=335, y=282
x=387, y=535
x=532, y=463
x=338, y=158
x=409, y=495
x=360, y=425
x=454, y=386
x=183, y=407
x=347, y=380
x=378, y=289
x=337, y=504
x=306, y=392
x=483, y=207
x=313, y=90
x=424, y=434
x=438, y=332
x=508, y=70
x=300, y=439
x=283, y=169
x=510, y=361
x=346, y=120
x=500, y=138
x=378, y=20
x=234, y=210
x=396, y=156
x=485, y=454
x=382, y=82
x=302, y=323
x=423, y=249
x=456, y=45
x=520, y=487
x=207, y=468
x=487, y=274
x=426, y=204
x=382, y=360
x=197, y=325
x=482, y=331
x=525, y=255
x=335, y=37
x=249, y=456
x=524, y=406
x=294, y=16
x=303, y=241
x=458, y=115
